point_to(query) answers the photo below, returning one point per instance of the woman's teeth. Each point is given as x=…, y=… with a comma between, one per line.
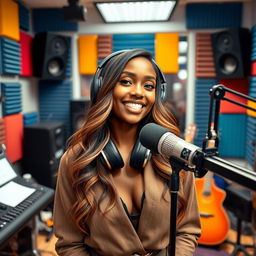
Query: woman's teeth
x=134, y=106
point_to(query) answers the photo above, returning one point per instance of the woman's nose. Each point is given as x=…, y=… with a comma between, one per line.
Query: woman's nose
x=137, y=90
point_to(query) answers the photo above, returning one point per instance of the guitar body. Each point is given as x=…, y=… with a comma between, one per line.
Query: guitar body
x=214, y=220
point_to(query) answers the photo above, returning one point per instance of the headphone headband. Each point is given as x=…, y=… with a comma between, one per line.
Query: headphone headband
x=97, y=79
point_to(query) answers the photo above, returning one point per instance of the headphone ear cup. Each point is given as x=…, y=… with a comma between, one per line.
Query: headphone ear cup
x=163, y=92
x=111, y=156
x=139, y=156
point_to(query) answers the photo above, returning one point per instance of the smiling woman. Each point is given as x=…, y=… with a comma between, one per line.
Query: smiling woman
x=112, y=193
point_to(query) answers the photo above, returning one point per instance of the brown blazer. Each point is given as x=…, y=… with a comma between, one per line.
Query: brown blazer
x=113, y=234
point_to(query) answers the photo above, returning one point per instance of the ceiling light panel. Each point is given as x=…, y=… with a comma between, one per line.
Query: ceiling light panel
x=143, y=11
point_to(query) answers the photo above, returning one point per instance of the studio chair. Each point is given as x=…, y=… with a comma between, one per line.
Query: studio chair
x=239, y=201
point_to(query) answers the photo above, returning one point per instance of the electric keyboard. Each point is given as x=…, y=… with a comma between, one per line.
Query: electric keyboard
x=20, y=200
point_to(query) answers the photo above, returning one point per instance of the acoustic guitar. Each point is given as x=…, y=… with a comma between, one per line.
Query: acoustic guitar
x=215, y=223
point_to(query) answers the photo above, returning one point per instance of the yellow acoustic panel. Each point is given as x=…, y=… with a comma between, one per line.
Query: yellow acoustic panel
x=167, y=52
x=252, y=105
x=9, y=19
x=88, y=54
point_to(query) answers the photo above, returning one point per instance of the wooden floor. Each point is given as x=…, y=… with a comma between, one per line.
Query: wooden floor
x=47, y=248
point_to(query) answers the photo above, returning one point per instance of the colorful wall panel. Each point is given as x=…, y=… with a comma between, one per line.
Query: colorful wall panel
x=88, y=54
x=213, y=15
x=13, y=136
x=51, y=19
x=12, y=98
x=24, y=17
x=10, y=62
x=9, y=19
x=54, y=98
x=2, y=133
x=232, y=138
x=239, y=85
x=202, y=104
x=104, y=44
x=205, y=67
x=252, y=93
x=30, y=118
x=132, y=41
x=26, y=54
x=167, y=52
x=253, y=50
x=251, y=140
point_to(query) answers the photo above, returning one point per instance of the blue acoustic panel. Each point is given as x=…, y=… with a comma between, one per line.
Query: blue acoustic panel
x=10, y=60
x=69, y=61
x=213, y=15
x=251, y=140
x=12, y=103
x=30, y=118
x=131, y=41
x=252, y=87
x=51, y=19
x=54, y=98
x=24, y=17
x=253, y=51
x=232, y=135
x=202, y=104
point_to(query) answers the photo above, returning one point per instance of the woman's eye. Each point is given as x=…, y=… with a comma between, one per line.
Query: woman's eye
x=125, y=82
x=150, y=86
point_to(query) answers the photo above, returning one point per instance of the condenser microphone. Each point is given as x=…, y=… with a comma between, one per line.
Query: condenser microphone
x=162, y=141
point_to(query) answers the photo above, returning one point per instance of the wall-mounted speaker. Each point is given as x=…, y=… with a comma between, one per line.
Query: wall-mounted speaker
x=78, y=110
x=231, y=50
x=44, y=144
x=50, y=55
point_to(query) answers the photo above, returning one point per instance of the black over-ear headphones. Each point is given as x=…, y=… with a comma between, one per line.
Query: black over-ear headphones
x=110, y=154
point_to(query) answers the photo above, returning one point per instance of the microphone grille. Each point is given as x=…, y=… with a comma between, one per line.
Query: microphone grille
x=167, y=143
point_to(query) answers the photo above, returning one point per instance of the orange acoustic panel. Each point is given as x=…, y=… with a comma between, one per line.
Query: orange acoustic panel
x=26, y=54
x=104, y=44
x=167, y=52
x=2, y=135
x=9, y=19
x=205, y=67
x=13, y=136
x=252, y=105
x=253, y=68
x=88, y=54
x=239, y=85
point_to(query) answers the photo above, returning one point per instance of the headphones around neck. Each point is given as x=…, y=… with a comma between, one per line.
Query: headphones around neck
x=110, y=155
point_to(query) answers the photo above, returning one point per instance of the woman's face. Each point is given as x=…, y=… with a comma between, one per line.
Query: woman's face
x=135, y=92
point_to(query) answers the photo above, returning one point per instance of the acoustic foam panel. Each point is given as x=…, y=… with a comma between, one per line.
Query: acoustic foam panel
x=26, y=54
x=251, y=140
x=13, y=136
x=205, y=67
x=24, y=17
x=253, y=68
x=51, y=19
x=12, y=98
x=9, y=19
x=88, y=59
x=167, y=52
x=239, y=85
x=131, y=41
x=232, y=138
x=30, y=118
x=253, y=35
x=10, y=62
x=213, y=15
x=2, y=133
x=104, y=44
x=252, y=93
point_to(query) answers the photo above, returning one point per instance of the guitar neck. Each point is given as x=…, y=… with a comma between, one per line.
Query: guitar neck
x=207, y=183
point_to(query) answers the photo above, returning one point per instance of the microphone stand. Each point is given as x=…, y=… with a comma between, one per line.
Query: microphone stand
x=174, y=184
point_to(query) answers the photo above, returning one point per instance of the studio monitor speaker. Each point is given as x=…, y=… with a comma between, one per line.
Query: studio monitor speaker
x=50, y=55
x=231, y=50
x=44, y=144
x=78, y=109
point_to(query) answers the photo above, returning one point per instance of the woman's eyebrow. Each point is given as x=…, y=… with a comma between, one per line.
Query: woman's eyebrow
x=133, y=74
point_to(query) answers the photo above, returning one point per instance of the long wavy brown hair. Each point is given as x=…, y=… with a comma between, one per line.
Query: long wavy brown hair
x=88, y=170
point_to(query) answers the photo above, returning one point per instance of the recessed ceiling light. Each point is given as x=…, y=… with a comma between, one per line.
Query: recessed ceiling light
x=136, y=11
